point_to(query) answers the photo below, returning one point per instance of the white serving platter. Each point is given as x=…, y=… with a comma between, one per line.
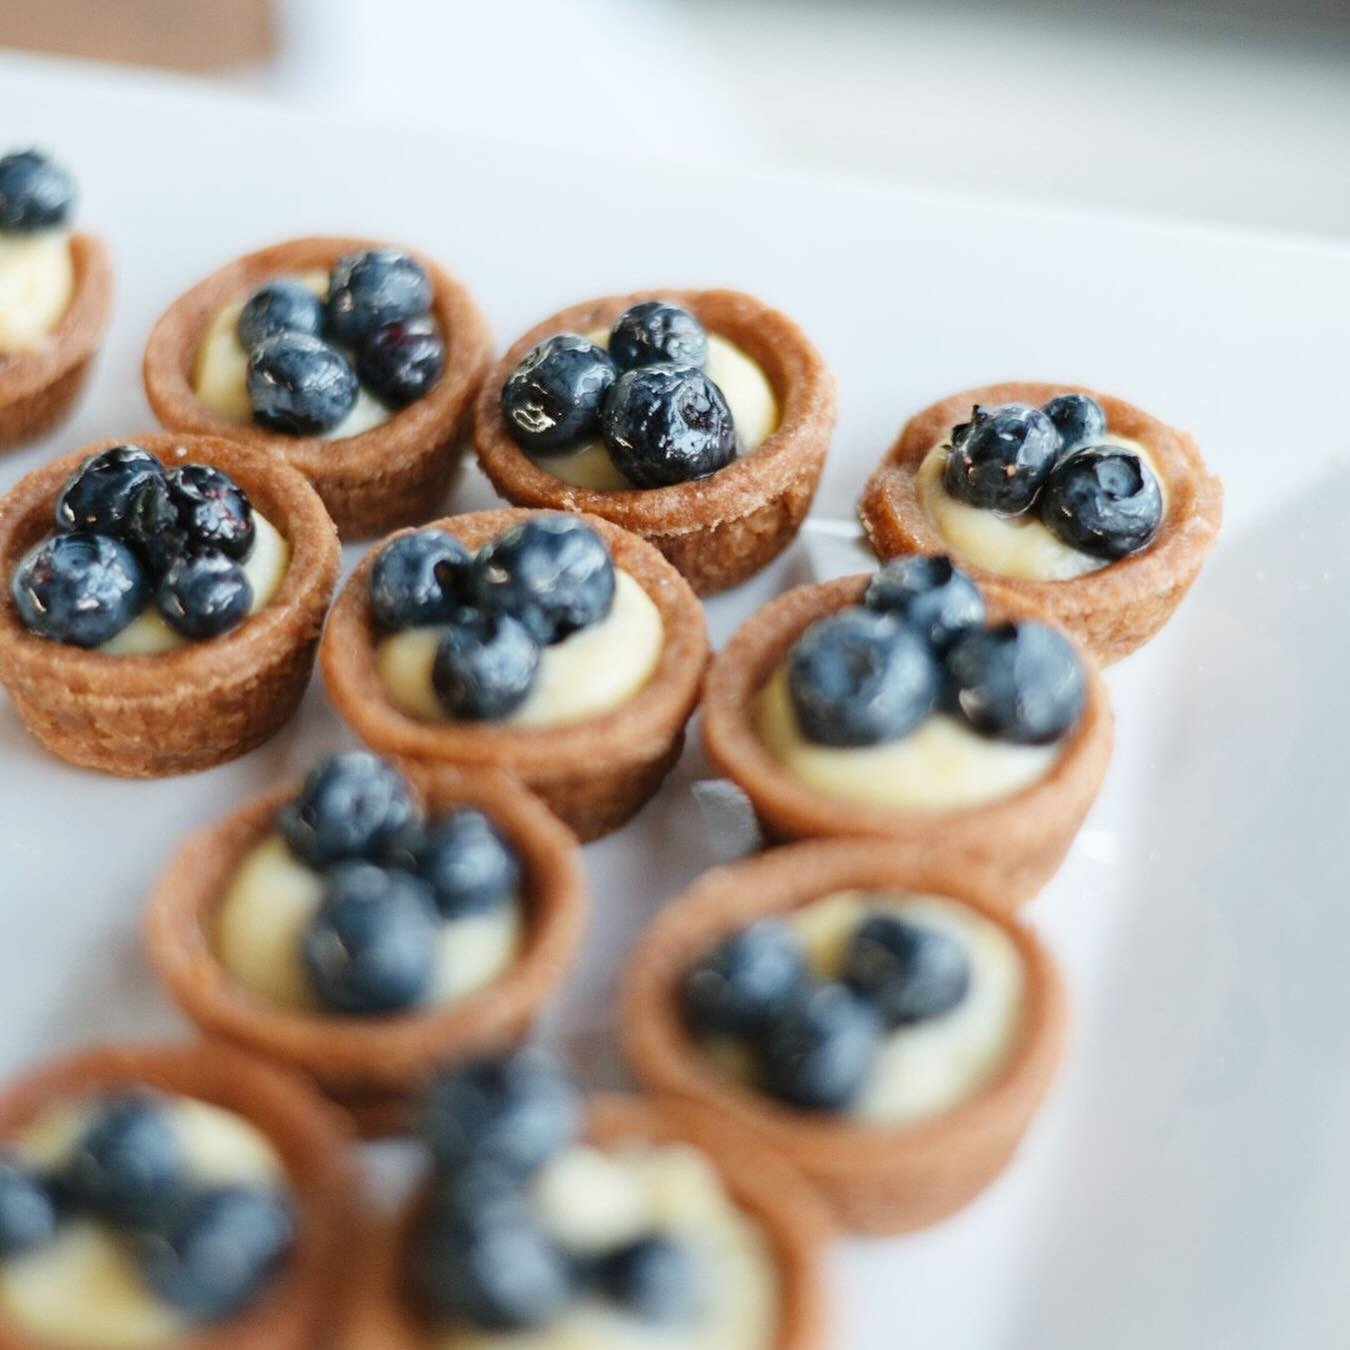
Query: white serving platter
x=1188, y=1183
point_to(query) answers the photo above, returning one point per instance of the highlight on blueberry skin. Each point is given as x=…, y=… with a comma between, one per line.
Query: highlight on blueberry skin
x=485, y=666
x=420, y=578
x=551, y=401
x=280, y=306
x=300, y=384
x=79, y=588
x=36, y=193
x=931, y=595
x=1103, y=501
x=1001, y=457
x=657, y=331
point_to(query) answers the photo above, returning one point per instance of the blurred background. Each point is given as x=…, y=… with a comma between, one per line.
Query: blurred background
x=1212, y=110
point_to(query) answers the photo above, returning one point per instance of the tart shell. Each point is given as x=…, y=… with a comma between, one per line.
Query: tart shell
x=761, y=1184
x=1112, y=610
x=310, y=1138
x=38, y=388
x=372, y=1066
x=147, y=716
x=717, y=530
x=594, y=774
x=392, y=475
x=875, y=1179
x=1025, y=835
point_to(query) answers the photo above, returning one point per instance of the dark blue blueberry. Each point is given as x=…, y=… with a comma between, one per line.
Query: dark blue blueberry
x=552, y=573
x=1020, y=682
x=1078, y=418
x=657, y=331
x=667, y=424
x=485, y=666
x=420, y=578
x=35, y=193
x=371, y=946
x=28, y=1210
x=79, y=588
x=281, y=306
x=468, y=864
x=212, y=509
x=512, y=1111
x=353, y=806
x=299, y=384
x=154, y=526
x=655, y=1278
x=128, y=1166
x=551, y=401
x=930, y=595
x=857, y=677
x=749, y=976
x=402, y=361
x=1104, y=501
x=218, y=1252
x=1002, y=458
x=371, y=290
x=101, y=495
x=906, y=971
x=820, y=1047
x=204, y=594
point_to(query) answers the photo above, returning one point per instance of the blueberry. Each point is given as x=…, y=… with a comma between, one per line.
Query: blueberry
x=857, y=677
x=667, y=424
x=1020, y=682
x=402, y=361
x=1104, y=501
x=101, y=495
x=930, y=595
x=299, y=384
x=736, y=988
x=35, y=193
x=819, y=1048
x=1001, y=460
x=128, y=1166
x=551, y=401
x=657, y=331
x=79, y=588
x=28, y=1210
x=907, y=972
x=218, y=1252
x=553, y=573
x=420, y=578
x=1080, y=420
x=371, y=946
x=281, y=306
x=485, y=666
x=212, y=509
x=654, y=1278
x=204, y=594
x=373, y=289
x=512, y=1111
x=154, y=526
x=353, y=806
x=468, y=864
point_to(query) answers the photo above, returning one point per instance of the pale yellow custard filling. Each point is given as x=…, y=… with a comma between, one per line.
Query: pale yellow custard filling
x=37, y=281
x=590, y=673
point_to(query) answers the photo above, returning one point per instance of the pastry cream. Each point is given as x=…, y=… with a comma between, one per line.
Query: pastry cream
x=37, y=280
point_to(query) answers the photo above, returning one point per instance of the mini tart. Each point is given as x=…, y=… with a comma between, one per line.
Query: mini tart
x=1025, y=835
x=394, y=474
x=762, y=1185
x=370, y=1065
x=1112, y=610
x=593, y=774
x=39, y=387
x=197, y=705
x=308, y=1136
x=717, y=530
x=875, y=1179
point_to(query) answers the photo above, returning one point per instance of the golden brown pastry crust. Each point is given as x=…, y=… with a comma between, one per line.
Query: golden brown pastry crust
x=1113, y=610
x=194, y=706
x=38, y=388
x=760, y=1183
x=718, y=530
x=594, y=774
x=875, y=1179
x=392, y=475
x=1025, y=835
x=310, y=1138
x=371, y=1066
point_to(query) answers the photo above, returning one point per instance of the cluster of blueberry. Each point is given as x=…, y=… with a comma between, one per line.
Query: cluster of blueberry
x=1100, y=499
x=662, y=419
x=128, y=1171
x=813, y=1042
x=917, y=644
x=300, y=377
x=532, y=586
x=390, y=879
x=128, y=530
x=481, y=1255
x=35, y=193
